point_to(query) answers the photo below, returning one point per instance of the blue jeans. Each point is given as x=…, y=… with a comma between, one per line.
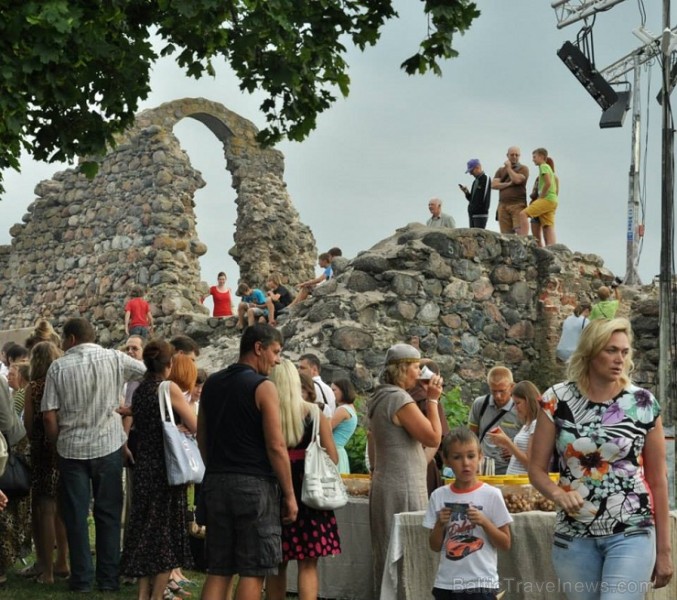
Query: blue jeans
x=139, y=330
x=615, y=567
x=79, y=479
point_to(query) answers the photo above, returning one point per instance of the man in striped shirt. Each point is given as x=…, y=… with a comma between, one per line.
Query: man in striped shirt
x=82, y=392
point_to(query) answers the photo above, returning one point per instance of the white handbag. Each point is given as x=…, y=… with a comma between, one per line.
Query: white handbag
x=322, y=487
x=182, y=456
x=4, y=453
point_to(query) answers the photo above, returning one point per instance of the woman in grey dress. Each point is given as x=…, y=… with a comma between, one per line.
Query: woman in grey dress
x=398, y=432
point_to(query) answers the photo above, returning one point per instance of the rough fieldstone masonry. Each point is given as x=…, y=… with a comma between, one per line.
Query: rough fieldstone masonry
x=84, y=243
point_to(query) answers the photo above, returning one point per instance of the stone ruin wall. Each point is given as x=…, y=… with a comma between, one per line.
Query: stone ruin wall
x=474, y=299
x=84, y=243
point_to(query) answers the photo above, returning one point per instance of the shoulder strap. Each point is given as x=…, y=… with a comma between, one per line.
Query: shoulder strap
x=324, y=398
x=165, y=402
x=485, y=403
x=495, y=420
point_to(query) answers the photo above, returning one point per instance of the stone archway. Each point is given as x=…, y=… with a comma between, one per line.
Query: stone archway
x=83, y=243
x=268, y=233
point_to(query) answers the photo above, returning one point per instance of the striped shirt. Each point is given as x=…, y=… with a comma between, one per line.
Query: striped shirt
x=85, y=387
x=515, y=466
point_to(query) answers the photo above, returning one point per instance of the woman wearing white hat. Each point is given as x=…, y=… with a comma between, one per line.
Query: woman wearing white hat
x=398, y=430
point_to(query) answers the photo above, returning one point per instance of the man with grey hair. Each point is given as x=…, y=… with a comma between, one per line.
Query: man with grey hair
x=438, y=218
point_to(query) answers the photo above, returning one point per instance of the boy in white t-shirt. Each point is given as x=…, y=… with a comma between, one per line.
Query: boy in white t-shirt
x=468, y=521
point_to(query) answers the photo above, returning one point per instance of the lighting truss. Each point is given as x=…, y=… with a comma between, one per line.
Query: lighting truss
x=651, y=49
x=572, y=11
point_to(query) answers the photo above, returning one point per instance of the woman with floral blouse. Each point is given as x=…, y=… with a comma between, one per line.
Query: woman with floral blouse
x=612, y=532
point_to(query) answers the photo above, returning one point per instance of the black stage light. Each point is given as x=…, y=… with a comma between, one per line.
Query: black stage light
x=615, y=115
x=598, y=87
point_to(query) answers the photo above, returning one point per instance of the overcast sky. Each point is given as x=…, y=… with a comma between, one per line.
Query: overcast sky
x=377, y=156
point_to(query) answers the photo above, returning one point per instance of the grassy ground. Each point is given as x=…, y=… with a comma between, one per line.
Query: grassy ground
x=20, y=588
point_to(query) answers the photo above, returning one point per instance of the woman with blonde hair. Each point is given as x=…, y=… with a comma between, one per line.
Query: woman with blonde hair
x=398, y=432
x=612, y=529
x=43, y=332
x=525, y=396
x=314, y=534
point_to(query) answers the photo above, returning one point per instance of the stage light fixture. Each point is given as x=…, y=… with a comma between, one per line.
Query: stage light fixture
x=598, y=87
x=615, y=114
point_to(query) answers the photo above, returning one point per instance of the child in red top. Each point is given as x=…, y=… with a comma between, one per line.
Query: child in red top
x=138, y=318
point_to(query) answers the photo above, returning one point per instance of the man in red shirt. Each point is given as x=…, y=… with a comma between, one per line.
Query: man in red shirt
x=138, y=318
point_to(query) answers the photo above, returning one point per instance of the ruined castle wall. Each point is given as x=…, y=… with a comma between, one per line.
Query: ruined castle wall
x=473, y=298
x=83, y=243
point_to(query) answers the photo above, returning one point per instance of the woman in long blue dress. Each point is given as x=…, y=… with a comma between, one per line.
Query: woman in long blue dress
x=344, y=421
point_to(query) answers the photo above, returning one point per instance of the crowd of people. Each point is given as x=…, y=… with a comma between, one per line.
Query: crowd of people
x=82, y=416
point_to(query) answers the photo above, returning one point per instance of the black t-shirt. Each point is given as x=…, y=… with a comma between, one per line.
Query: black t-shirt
x=235, y=440
x=285, y=298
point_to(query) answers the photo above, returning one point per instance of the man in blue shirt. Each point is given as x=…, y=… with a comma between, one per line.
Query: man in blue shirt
x=253, y=304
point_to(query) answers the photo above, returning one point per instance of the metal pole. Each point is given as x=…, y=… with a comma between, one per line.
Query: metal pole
x=631, y=274
x=666, y=359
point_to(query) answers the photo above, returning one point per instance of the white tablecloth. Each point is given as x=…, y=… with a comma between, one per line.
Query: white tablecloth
x=525, y=572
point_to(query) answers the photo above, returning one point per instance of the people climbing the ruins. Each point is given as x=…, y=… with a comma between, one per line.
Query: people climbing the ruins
x=220, y=293
x=306, y=287
x=252, y=306
x=278, y=297
x=138, y=318
x=605, y=308
x=437, y=217
x=545, y=205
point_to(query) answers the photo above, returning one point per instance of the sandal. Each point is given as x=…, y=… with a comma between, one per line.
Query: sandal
x=167, y=595
x=177, y=590
x=30, y=571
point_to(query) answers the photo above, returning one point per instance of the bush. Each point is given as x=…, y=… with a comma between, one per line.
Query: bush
x=455, y=409
x=357, y=444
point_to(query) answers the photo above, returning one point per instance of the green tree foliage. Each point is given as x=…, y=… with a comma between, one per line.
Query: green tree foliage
x=73, y=71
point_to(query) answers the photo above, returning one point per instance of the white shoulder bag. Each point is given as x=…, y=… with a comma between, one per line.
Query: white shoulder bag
x=322, y=487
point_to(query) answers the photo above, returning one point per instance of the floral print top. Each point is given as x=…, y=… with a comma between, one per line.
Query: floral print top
x=599, y=447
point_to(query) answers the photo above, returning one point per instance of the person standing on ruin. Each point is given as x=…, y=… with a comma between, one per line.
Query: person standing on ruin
x=438, y=218
x=511, y=182
x=220, y=294
x=478, y=196
x=138, y=318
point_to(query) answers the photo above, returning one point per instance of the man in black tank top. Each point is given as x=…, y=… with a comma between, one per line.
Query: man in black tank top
x=241, y=442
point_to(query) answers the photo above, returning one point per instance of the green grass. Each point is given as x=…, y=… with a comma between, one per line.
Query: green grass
x=21, y=588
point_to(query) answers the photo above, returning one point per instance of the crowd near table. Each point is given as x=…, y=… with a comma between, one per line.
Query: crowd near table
x=526, y=572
